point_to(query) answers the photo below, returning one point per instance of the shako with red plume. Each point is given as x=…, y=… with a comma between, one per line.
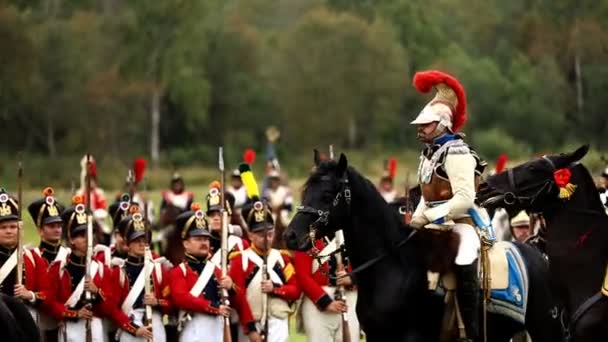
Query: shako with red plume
x=501, y=163
x=139, y=168
x=392, y=168
x=448, y=107
x=249, y=156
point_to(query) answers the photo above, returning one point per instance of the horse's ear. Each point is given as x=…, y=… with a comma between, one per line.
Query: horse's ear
x=317, y=157
x=342, y=165
x=573, y=157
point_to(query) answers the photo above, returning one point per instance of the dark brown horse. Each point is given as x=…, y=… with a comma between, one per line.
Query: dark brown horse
x=171, y=246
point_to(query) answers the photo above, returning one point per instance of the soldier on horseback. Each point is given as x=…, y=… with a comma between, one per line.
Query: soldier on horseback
x=177, y=196
x=448, y=173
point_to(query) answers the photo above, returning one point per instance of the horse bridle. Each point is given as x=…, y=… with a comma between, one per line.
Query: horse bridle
x=323, y=215
x=511, y=197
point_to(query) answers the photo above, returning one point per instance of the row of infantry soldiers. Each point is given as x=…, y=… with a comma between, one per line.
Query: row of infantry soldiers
x=187, y=296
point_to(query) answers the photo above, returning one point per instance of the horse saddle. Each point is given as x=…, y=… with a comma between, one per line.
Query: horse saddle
x=504, y=275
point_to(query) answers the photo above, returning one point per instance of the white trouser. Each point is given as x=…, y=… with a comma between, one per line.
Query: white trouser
x=321, y=326
x=203, y=328
x=278, y=330
x=469, y=244
x=76, y=331
x=158, y=329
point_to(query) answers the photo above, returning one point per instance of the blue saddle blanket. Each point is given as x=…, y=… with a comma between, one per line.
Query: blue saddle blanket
x=513, y=300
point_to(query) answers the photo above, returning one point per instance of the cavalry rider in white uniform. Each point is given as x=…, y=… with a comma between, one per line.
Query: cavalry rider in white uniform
x=448, y=174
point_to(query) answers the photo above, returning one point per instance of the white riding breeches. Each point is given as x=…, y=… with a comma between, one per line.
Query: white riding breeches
x=469, y=244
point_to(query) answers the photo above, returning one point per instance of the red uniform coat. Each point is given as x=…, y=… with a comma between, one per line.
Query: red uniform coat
x=35, y=276
x=59, y=289
x=289, y=291
x=312, y=283
x=181, y=284
x=120, y=291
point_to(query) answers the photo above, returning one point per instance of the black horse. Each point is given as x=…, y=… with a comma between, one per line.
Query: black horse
x=394, y=302
x=16, y=323
x=577, y=232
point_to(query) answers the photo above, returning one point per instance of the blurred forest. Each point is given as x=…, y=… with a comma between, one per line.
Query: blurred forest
x=173, y=79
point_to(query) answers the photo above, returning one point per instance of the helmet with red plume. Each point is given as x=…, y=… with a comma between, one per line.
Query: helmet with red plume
x=449, y=105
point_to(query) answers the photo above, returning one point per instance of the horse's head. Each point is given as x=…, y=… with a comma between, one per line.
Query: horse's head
x=325, y=198
x=533, y=185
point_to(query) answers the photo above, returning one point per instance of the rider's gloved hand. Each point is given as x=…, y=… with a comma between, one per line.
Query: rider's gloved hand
x=418, y=222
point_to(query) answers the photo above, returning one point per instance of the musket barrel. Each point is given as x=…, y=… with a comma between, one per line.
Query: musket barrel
x=224, y=240
x=20, y=228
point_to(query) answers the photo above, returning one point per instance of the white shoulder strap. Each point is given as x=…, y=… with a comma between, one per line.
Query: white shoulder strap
x=135, y=290
x=73, y=299
x=8, y=266
x=325, y=255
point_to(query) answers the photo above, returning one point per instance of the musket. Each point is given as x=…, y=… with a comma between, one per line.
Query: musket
x=265, y=277
x=341, y=293
x=20, y=232
x=224, y=240
x=147, y=285
x=89, y=255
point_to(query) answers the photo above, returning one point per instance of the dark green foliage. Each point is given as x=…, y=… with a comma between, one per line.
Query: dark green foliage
x=80, y=75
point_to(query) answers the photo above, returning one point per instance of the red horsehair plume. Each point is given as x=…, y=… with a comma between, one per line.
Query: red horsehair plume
x=215, y=185
x=424, y=81
x=249, y=156
x=77, y=199
x=139, y=167
x=392, y=168
x=92, y=169
x=501, y=163
x=48, y=191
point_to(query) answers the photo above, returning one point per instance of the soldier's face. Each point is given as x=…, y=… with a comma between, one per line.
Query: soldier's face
x=51, y=232
x=178, y=187
x=257, y=238
x=426, y=132
x=236, y=182
x=137, y=247
x=521, y=233
x=8, y=233
x=197, y=246
x=215, y=220
x=79, y=243
x=386, y=186
x=119, y=243
x=274, y=183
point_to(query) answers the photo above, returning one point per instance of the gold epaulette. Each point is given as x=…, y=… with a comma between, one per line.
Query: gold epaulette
x=233, y=255
x=287, y=253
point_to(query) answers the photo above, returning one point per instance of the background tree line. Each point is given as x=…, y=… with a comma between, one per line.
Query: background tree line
x=173, y=79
